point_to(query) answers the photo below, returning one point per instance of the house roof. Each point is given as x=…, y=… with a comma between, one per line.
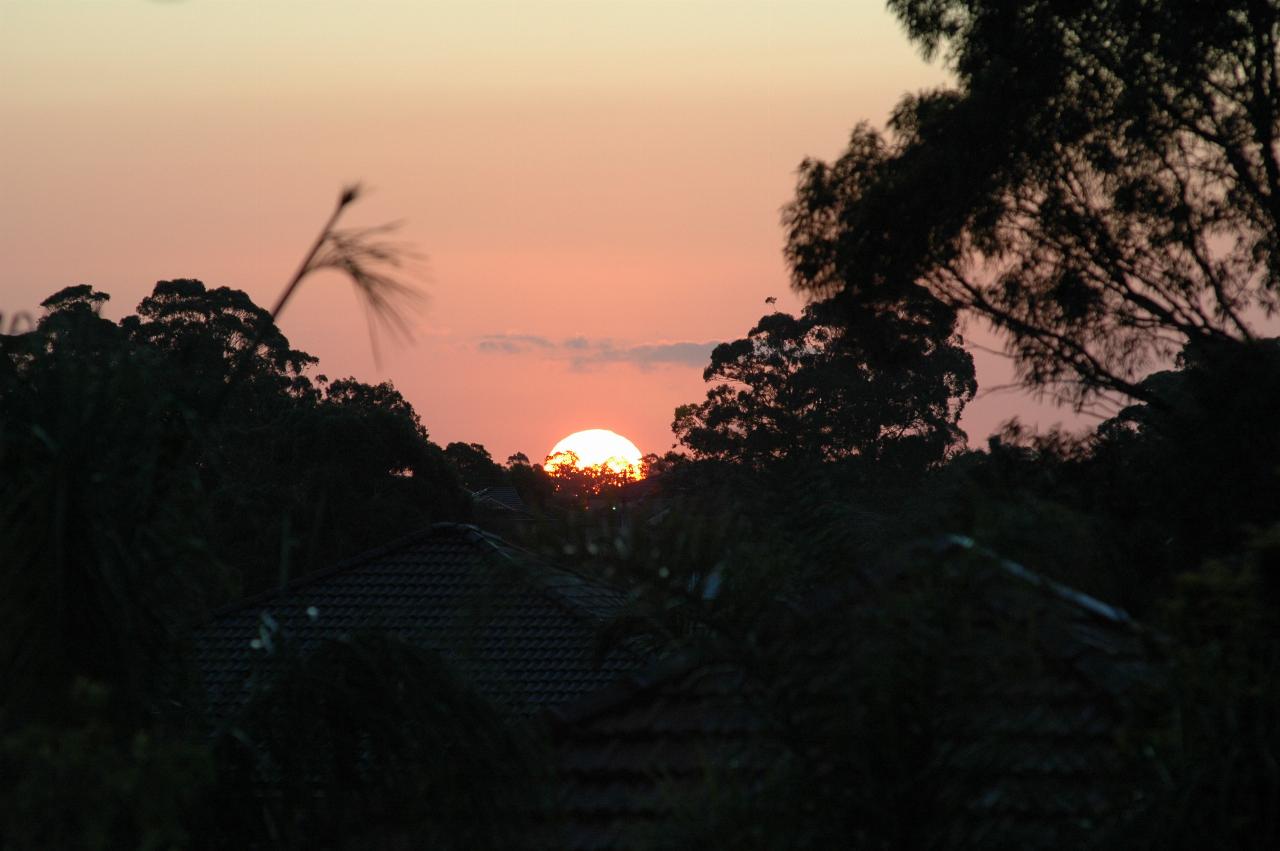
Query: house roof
x=500, y=498
x=1032, y=755
x=627, y=755
x=523, y=631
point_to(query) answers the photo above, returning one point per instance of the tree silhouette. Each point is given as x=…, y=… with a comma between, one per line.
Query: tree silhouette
x=1103, y=185
x=474, y=464
x=273, y=511
x=578, y=483
x=102, y=515
x=535, y=487
x=355, y=735
x=887, y=386
x=1185, y=478
x=213, y=334
x=142, y=463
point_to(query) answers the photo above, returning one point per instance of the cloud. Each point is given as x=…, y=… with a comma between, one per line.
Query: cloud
x=582, y=352
x=513, y=344
x=650, y=354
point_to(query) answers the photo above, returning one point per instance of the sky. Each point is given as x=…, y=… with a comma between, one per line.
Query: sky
x=593, y=186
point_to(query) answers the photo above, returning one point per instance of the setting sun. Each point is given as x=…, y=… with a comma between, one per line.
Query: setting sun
x=598, y=448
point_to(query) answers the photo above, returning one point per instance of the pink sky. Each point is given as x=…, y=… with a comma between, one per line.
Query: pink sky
x=596, y=184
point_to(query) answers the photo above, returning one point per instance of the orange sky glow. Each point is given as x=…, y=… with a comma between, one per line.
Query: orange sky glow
x=595, y=185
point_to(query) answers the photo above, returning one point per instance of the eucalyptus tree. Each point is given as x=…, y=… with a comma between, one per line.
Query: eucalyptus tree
x=1102, y=184
x=883, y=385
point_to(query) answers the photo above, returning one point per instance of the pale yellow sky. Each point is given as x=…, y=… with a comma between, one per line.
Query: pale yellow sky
x=603, y=170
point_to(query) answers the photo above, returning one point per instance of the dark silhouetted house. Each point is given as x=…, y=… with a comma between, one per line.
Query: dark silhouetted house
x=522, y=631
x=1028, y=702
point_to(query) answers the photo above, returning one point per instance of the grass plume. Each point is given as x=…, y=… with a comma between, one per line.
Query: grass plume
x=376, y=266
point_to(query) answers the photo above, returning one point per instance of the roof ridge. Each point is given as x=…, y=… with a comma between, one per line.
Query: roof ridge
x=533, y=565
x=341, y=566
x=508, y=552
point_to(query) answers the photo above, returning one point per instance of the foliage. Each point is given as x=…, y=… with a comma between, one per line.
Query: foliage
x=1200, y=465
x=137, y=460
x=578, y=484
x=207, y=335
x=474, y=464
x=126, y=487
x=272, y=511
x=888, y=387
x=682, y=568
x=896, y=712
x=373, y=741
x=84, y=784
x=1210, y=747
x=1102, y=185
x=102, y=554
x=382, y=478
x=531, y=481
x=1031, y=497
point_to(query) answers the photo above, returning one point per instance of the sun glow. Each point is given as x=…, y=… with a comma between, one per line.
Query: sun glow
x=597, y=448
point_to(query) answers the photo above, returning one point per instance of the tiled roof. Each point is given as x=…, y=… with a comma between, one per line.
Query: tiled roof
x=1030, y=758
x=524, y=632
x=628, y=754
x=500, y=498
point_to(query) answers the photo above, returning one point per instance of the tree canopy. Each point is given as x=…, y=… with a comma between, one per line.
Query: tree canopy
x=1103, y=184
x=883, y=385
x=474, y=464
x=160, y=379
